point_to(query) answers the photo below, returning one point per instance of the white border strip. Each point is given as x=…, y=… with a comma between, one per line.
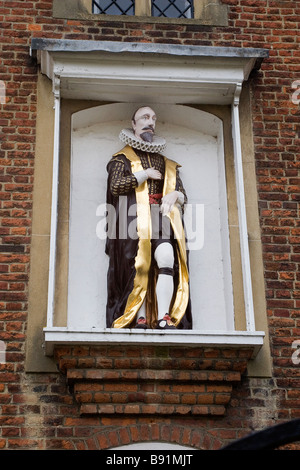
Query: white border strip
x=246, y=268
x=54, y=203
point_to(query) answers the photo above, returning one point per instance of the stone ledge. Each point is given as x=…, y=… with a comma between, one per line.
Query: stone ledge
x=63, y=336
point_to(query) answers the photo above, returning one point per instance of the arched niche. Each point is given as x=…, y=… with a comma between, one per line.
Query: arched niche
x=195, y=141
x=164, y=446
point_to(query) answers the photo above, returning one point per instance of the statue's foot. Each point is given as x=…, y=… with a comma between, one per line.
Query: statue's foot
x=165, y=323
x=141, y=324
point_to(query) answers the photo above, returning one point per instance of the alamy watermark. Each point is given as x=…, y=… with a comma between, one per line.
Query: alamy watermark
x=296, y=94
x=296, y=343
x=123, y=223
x=296, y=353
x=2, y=92
x=2, y=352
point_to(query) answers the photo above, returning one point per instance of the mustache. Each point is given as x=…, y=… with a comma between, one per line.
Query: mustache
x=148, y=128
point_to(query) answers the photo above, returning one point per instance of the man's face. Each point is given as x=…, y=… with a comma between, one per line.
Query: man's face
x=144, y=124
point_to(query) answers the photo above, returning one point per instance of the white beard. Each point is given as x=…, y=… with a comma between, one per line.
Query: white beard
x=157, y=146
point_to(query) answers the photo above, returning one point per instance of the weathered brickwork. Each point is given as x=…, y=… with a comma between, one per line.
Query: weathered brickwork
x=39, y=411
x=152, y=381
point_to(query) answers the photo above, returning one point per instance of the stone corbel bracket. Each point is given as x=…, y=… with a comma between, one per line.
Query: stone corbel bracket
x=158, y=380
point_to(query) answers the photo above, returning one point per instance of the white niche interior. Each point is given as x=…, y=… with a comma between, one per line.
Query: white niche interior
x=195, y=141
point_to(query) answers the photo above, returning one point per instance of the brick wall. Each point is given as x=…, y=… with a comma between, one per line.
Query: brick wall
x=160, y=381
x=38, y=410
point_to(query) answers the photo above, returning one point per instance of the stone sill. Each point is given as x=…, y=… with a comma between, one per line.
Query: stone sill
x=214, y=20
x=58, y=336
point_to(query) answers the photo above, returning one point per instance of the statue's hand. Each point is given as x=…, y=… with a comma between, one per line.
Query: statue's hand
x=153, y=174
x=168, y=202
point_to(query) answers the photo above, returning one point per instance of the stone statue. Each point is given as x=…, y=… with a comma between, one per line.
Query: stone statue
x=148, y=279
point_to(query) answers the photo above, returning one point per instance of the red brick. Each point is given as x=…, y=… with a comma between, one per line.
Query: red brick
x=252, y=23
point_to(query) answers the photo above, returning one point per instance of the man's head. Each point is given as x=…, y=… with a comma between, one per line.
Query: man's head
x=143, y=123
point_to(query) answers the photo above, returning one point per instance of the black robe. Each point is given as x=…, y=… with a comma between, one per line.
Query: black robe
x=122, y=251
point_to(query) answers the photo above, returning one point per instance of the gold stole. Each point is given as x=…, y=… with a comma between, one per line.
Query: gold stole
x=143, y=257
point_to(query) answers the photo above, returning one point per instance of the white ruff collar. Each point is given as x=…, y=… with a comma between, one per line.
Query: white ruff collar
x=157, y=146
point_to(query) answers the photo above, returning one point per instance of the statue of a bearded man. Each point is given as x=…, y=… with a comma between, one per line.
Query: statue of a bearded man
x=148, y=279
